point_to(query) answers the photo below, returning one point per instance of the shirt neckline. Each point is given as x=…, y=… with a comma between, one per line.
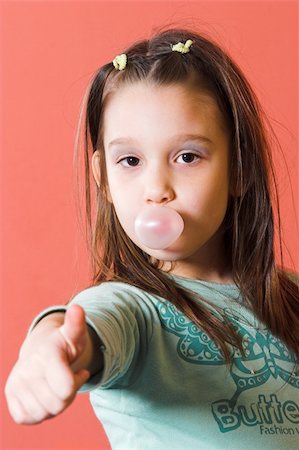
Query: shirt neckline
x=204, y=282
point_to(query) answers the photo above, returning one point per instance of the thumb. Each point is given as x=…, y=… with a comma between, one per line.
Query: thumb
x=74, y=330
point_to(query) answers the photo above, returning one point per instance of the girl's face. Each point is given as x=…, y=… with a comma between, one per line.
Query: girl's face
x=168, y=145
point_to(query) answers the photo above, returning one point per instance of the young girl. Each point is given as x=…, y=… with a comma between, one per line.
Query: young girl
x=192, y=343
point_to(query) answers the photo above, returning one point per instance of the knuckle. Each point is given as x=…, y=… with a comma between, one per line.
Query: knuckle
x=37, y=415
x=17, y=414
x=63, y=390
x=57, y=408
x=18, y=418
x=67, y=392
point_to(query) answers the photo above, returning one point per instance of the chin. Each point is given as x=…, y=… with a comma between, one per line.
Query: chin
x=169, y=254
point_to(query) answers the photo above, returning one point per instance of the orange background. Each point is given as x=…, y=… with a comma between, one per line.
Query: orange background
x=49, y=51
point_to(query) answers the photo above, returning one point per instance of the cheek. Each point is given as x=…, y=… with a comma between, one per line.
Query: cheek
x=218, y=201
x=209, y=198
x=125, y=205
x=125, y=200
x=125, y=217
x=120, y=185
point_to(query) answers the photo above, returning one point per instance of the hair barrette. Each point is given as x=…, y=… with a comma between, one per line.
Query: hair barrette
x=182, y=48
x=120, y=61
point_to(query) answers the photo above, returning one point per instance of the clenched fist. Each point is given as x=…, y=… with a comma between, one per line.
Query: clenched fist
x=52, y=366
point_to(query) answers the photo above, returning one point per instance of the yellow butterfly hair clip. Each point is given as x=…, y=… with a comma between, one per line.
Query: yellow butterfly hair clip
x=182, y=48
x=120, y=61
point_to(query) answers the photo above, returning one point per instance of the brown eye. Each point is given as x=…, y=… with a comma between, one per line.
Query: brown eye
x=131, y=161
x=188, y=157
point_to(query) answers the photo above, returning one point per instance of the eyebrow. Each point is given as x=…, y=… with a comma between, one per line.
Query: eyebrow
x=176, y=139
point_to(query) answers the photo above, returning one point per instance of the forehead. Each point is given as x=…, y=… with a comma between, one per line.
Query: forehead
x=142, y=104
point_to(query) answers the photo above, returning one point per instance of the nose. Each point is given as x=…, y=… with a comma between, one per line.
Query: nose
x=158, y=186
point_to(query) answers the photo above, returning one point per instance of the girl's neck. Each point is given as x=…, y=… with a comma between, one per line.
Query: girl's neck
x=211, y=263
x=207, y=274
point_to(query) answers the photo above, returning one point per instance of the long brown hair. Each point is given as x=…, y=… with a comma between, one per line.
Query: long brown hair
x=248, y=225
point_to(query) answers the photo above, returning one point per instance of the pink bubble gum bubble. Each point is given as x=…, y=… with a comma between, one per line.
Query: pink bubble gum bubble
x=158, y=227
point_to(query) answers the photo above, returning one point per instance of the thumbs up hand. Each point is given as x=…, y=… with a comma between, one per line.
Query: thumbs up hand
x=51, y=367
x=74, y=332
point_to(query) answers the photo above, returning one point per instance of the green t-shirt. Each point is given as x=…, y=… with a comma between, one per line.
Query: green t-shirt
x=165, y=384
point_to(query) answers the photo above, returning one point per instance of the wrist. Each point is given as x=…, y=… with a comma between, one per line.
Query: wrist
x=41, y=331
x=43, y=314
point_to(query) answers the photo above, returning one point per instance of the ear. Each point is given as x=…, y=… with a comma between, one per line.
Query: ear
x=95, y=163
x=96, y=170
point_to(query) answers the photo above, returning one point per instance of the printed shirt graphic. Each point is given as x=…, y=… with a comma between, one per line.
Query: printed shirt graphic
x=165, y=384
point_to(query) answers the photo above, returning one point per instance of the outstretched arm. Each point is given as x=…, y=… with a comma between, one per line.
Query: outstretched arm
x=55, y=360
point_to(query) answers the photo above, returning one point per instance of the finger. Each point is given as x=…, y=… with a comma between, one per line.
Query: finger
x=81, y=377
x=14, y=392
x=47, y=398
x=60, y=377
x=16, y=410
x=74, y=329
x=26, y=409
